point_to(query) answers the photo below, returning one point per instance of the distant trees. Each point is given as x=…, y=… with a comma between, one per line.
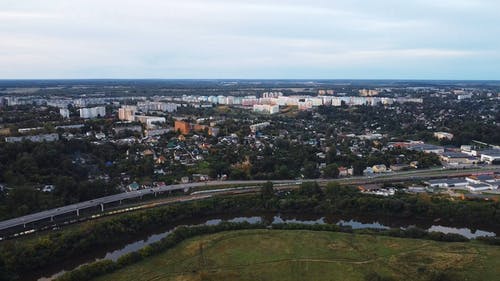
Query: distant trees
x=310, y=170
x=331, y=154
x=310, y=189
x=267, y=191
x=26, y=167
x=331, y=171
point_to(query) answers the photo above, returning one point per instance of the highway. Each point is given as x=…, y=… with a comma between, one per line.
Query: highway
x=100, y=202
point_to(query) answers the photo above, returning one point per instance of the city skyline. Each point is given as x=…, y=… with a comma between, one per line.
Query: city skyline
x=290, y=39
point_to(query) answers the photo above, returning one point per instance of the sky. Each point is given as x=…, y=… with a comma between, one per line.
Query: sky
x=250, y=39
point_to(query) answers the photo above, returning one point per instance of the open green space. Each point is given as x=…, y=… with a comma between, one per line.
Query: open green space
x=312, y=255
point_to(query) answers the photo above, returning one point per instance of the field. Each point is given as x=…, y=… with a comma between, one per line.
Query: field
x=306, y=255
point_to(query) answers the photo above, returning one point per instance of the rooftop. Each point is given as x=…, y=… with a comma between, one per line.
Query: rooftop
x=447, y=181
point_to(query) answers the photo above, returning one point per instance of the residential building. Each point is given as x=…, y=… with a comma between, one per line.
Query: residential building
x=4, y=131
x=29, y=130
x=256, y=127
x=368, y=171
x=64, y=112
x=92, y=112
x=344, y=172
x=379, y=168
x=148, y=106
x=443, y=135
x=150, y=121
x=214, y=131
x=182, y=126
x=157, y=132
x=266, y=108
x=120, y=128
x=34, y=138
x=368, y=93
x=127, y=113
x=249, y=101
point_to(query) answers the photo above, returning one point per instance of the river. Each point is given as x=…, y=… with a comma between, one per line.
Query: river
x=116, y=250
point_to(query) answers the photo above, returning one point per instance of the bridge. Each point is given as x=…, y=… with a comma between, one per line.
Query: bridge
x=75, y=209
x=101, y=202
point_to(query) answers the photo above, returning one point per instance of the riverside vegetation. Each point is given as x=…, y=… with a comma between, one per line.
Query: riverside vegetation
x=35, y=253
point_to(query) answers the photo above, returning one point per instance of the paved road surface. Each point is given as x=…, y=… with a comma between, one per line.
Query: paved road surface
x=100, y=202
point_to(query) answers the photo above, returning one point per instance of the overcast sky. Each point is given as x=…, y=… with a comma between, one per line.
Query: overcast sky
x=412, y=39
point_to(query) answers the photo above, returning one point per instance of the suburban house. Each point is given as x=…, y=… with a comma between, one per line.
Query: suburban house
x=379, y=168
x=368, y=171
x=133, y=186
x=344, y=172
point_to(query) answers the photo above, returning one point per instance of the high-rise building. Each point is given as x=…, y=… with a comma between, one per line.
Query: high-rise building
x=92, y=112
x=368, y=93
x=266, y=108
x=64, y=112
x=127, y=113
x=150, y=121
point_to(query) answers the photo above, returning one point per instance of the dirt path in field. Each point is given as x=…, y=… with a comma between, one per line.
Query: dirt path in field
x=228, y=267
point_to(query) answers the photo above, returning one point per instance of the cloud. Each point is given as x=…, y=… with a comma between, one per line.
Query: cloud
x=245, y=38
x=21, y=16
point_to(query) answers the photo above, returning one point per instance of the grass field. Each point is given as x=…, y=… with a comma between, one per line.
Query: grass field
x=306, y=255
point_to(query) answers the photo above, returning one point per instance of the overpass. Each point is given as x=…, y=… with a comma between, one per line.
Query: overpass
x=102, y=201
x=75, y=209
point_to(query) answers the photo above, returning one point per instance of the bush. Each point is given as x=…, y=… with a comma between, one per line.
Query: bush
x=448, y=237
x=89, y=271
x=128, y=259
x=489, y=240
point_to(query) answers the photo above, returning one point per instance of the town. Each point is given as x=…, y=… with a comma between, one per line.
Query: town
x=249, y=140
x=126, y=142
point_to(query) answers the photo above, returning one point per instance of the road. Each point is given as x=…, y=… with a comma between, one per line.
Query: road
x=100, y=202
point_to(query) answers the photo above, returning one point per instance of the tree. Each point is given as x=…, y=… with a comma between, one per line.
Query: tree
x=331, y=171
x=310, y=170
x=331, y=154
x=267, y=190
x=358, y=167
x=4, y=275
x=310, y=189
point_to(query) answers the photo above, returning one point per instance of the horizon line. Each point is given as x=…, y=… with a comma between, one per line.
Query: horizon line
x=249, y=79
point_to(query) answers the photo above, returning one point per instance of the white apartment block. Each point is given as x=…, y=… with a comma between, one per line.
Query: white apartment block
x=92, y=112
x=266, y=108
x=64, y=112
